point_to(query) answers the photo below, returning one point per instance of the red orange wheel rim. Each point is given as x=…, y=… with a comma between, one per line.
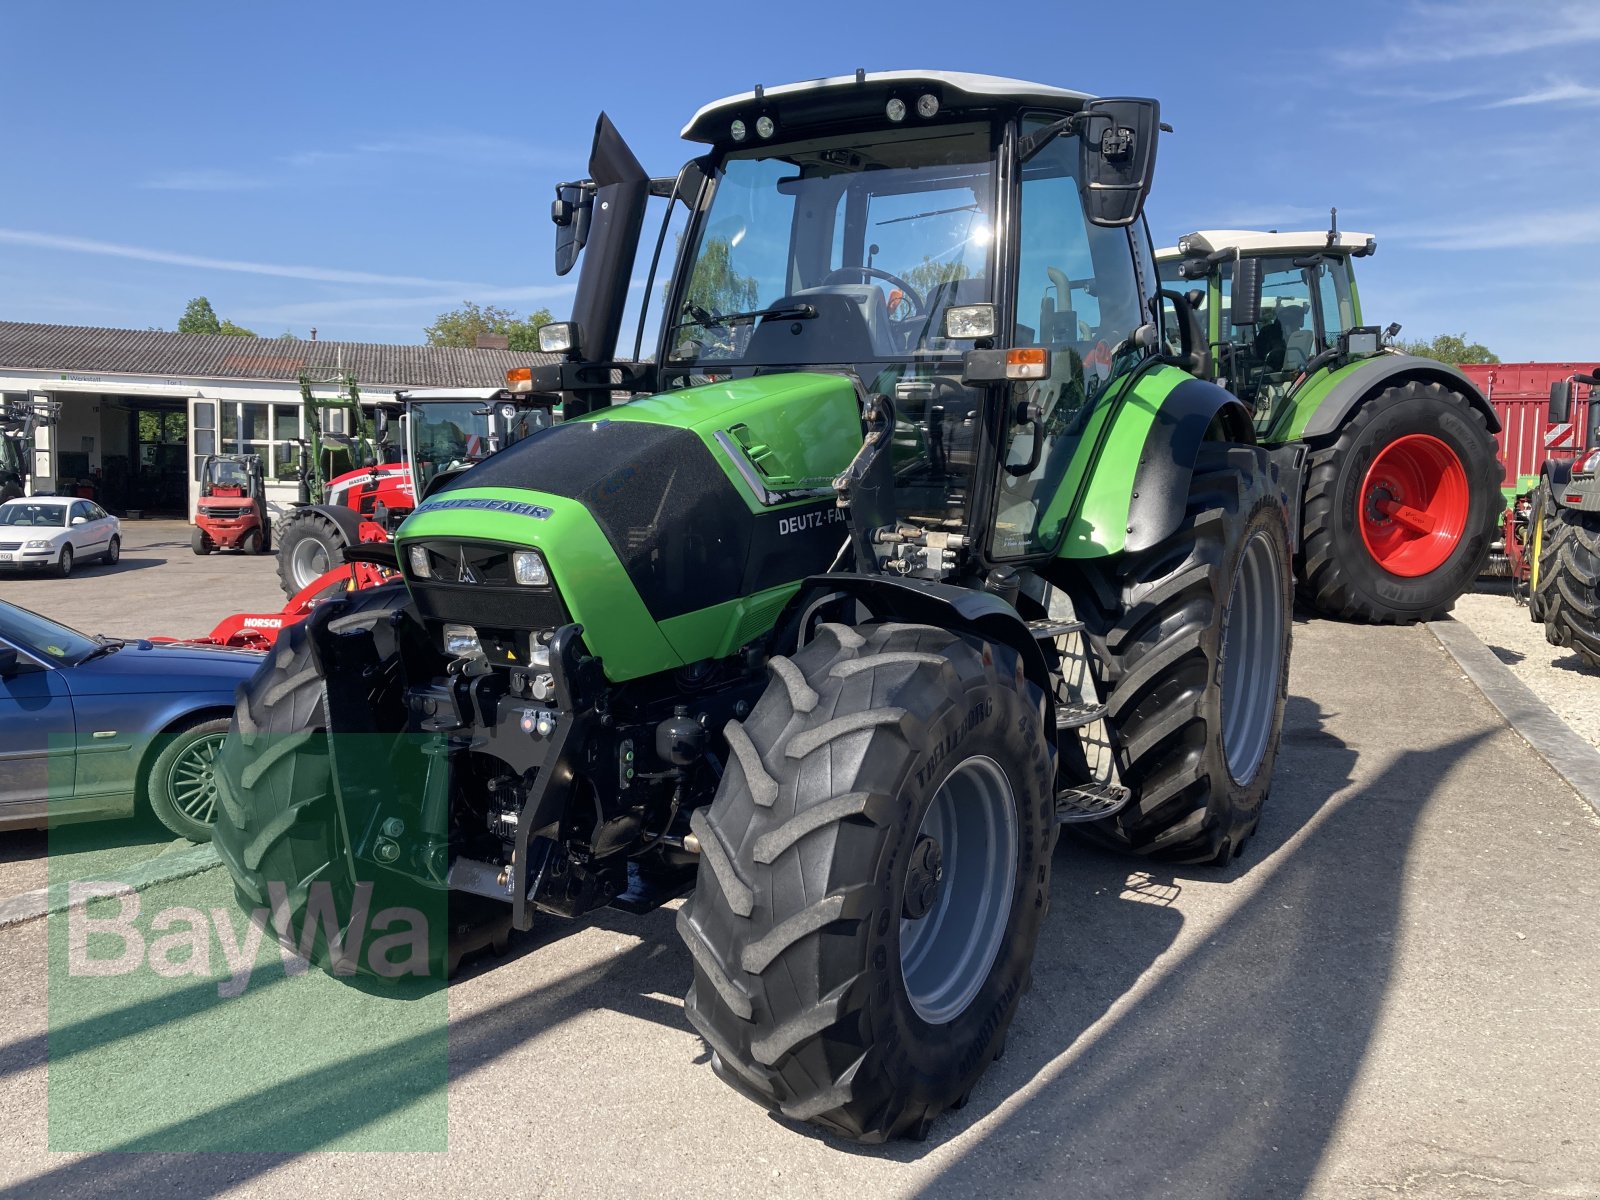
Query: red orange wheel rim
x=1414, y=504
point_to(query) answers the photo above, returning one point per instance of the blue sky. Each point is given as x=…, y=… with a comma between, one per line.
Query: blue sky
x=361, y=168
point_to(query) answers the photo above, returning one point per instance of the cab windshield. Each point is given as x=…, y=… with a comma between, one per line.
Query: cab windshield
x=843, y=250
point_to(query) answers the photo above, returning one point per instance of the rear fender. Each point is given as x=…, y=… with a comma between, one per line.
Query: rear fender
x=1321, y=407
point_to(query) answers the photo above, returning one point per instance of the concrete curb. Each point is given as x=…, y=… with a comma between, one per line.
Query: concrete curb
x=1569, y=755
x=30, y=906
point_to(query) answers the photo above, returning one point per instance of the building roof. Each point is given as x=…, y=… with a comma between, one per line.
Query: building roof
x=33, y=347
x=958, y=87
x=1305, y=241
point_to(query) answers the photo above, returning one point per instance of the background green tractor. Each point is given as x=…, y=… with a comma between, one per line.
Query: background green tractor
x=1564, y=525
x=1402, y=485
x=894, y=570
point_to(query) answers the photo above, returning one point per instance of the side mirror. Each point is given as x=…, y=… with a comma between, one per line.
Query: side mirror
x=571, y=211
x=1244, y=301
x=80, y=520
x=1560, y=401
x=1194, y=348
x=1117, y=158
x=380, y=424
x=8, y=662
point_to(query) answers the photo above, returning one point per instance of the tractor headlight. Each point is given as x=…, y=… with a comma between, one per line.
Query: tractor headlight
x=529, y=570
x=37, y=544
x=418, y=556
x=462, y=641
x=1590, y=464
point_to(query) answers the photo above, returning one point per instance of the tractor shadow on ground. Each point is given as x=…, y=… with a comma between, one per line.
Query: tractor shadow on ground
x=1228, y=1072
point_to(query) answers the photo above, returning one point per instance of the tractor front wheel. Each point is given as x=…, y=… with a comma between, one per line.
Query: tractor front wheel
x=1567, y=578
x=1193, y=638
x=310, y=545
x=873, y=873
x=199, y=542
x=1401, y=510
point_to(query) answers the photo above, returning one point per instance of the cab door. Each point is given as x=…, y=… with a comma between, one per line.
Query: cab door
x=37, y=734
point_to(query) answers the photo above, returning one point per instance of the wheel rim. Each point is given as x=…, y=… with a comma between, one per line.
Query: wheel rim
x=1252, y=652
x=946, y=952
x=308, y=561
x=191, y=783
x=1414, y=505
x=1538, y=546
x=116, y=549
x=66, y=559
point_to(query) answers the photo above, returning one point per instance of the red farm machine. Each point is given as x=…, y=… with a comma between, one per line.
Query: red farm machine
x=1529, y=442
x=232, y=510
x=339, y=542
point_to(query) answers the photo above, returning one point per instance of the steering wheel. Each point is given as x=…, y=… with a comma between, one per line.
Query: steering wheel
x=843, y=275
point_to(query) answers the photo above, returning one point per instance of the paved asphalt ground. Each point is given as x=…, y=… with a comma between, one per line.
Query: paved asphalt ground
x=1394, y=992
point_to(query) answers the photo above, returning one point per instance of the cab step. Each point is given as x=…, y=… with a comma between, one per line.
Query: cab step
x=1044, y=630
x=1090, y=802
x=1076, y=716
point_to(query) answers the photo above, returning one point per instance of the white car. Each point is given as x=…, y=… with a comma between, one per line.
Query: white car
x=55, y=532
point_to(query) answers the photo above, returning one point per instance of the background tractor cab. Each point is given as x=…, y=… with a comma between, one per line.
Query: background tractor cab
x=19, y=418
x=1402, y=495
x=231, y=513
x=1564, y=532
x=441, y=431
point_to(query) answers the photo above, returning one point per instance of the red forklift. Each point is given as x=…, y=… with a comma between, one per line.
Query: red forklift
x=232, y=512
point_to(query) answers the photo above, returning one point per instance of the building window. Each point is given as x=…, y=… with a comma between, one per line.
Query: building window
x=268, y=430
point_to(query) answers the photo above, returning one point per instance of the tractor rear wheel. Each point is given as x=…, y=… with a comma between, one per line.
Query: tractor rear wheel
x=310, y=544
x=873, y=873
x=1570, y=578
x=1193, y=640
x=1401, y=510
x=277, y=824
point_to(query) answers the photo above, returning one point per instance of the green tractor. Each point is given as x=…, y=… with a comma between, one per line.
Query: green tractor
x=891, y=574
x=1402, y=485
x=1564, y=578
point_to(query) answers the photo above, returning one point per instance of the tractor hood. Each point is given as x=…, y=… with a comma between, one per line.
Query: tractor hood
x=670, y=527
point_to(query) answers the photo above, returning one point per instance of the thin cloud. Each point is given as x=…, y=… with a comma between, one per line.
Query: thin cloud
x=1570, y=228
x=1446, y=33
x=204, y=180
x=313, y=310
x=1568, y=92
x=77, y=245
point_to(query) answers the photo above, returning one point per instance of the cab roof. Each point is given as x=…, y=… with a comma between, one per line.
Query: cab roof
x=869, y=90
x=1251, y=241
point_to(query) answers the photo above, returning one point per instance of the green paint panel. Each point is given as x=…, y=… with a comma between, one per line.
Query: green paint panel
x=1294, y=413
x=1097, y=489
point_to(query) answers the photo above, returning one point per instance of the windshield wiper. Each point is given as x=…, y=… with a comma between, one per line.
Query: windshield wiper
x=788, y=312
x=936, y=212
x=106, y=646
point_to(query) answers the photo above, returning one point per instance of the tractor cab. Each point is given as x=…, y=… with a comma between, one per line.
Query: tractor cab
x=18, y=420
x=1276, y=307
x=965, y=252
x=447, y=430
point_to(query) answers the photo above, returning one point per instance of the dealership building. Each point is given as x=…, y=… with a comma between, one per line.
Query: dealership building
x=137, y=411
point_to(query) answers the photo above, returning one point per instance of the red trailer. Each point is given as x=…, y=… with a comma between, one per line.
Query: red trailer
x=1520, y=394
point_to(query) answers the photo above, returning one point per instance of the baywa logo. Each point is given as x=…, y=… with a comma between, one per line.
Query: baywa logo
x=189, y=935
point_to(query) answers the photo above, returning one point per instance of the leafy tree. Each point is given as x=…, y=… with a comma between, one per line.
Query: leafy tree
x=464, y=325
x=716, y=286
x=200, y=317
x=1450, y=348
x=930, y=273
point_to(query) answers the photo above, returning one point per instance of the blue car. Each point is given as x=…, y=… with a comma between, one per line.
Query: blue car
x=94, y=726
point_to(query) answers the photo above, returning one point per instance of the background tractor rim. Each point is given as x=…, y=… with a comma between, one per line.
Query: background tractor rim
x=309, y=560
x=1252, y=649
x=1414, y=505
x=946, y=955
x=192, y=780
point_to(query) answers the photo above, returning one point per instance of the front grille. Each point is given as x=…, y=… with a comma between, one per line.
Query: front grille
x=10, y=545
x=211, y=510
x=494, y=602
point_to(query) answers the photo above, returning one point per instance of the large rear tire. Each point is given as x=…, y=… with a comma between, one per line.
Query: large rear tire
x=277, y=822
x=1570, y=577
x=1542, y=547
x=310, y=544
x=1401, y=510
x=874, y=870
x=1193, y=640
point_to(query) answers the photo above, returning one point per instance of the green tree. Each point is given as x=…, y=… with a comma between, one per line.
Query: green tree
x=716, y=286
x=200, y=317
x=1450, y=348
x=463, y=326
x=927, y=275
